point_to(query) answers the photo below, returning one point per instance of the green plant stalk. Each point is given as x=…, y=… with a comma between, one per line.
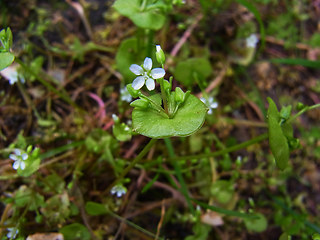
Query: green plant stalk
x=164, y=97
x=143, y=5
x=144, y=151
x=46, y=84
x=133, y=225
x=158, y=108
x=294, y=214
x=224, y=151
x=184, y=189
x=302, y=111
x=27, y=99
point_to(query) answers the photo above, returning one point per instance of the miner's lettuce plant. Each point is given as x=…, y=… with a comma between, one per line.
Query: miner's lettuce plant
x=165, y=114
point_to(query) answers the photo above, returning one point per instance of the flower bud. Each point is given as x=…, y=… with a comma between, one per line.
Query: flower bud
x=167, y=86
x=179, y=96
x=134, y=93
x=161, y=58
x=141, y=103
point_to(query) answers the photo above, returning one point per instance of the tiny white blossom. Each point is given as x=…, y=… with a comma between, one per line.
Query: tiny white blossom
x=12, y=233
x=115, y=117
x=11, y=73
x=158, y=48
x=252, y=41
x=119, y=190
x=18, y=157
x=210, y=102
x=125, y=95
x=146, y=75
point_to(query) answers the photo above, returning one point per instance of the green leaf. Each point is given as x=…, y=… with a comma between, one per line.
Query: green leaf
x=257, y=225
x=285, y=112
x=128, y=54
x=150, y=17
x=75, y=231
x=285, y=236
x=277, y=140
x=95, y=209
x=297, y=61
x=6, y=59
x=187, y=70
x=187, y=120
x=6, y=39
x=27, y=197
x=150, y=183
x=32, y=165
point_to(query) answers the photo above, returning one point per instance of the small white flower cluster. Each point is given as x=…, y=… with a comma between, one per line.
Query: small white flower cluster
x=12, y=233
x=119, y=190
x=19, y=159
x=146, y=75
x=210, y=103
x=252, y=41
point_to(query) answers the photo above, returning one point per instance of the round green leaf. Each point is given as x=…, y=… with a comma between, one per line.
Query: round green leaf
x=186, y=70
x=258, y=224
x=75, y=231
x=187, y=120
x=6, y=58
x=149, y=17
x=95, y=209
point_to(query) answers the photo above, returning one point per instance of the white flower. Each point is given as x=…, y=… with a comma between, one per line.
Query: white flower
x=210, y=102
x=125, y=95
x=119, y=189
x=12, y=233
x=146, y=75
x=11, y=73
x=115, y=117
x=252, y=41
x=18, y=157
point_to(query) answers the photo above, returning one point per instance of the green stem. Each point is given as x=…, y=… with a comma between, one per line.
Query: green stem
x=224, y=151
x=303, y=111
x=158, y=108
x=27, y=99
x=143, y=5
x=144, y=151
x=65, y=97
x=164, y=96
x=184, y=189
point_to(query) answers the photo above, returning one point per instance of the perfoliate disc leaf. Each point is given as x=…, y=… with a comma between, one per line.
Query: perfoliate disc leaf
x=187, y=120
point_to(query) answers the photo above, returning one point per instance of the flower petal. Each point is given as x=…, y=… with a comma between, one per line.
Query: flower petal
x=214, y=105
x=17, y=151
x=147, y=65
x=157, y=73
x=24, y=156
x=136, y=69
x=138, y=83
x=16, y=165
x=13, y=157
x=22, y=165
x=150, y=84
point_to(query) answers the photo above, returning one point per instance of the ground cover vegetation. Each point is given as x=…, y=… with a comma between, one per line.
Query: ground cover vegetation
x=159, y=119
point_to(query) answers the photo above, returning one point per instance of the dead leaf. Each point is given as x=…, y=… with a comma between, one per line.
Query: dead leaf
x=46, y=236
